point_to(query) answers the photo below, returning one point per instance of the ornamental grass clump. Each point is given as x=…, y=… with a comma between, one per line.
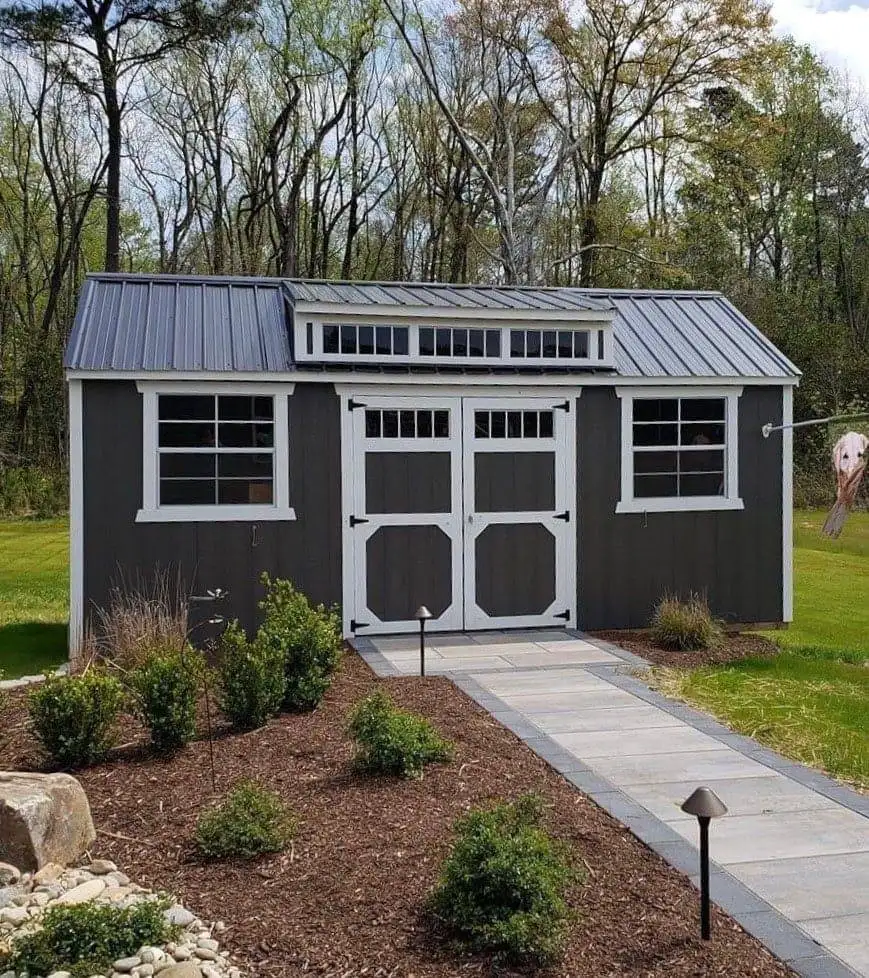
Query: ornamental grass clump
x=250, y=821
x=390, y=740
x=307, y=636
x=74, y=717
x=251, y=679
x=86, y=938
x=165, y=691
x=684, y=626
x=503, y=888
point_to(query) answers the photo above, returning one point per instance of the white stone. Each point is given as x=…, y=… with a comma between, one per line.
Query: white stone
x=9, y=874
x=208, y=943
x=179, y=916
x=125, y=965
x=101, y=867
x=13, y=915
x=83, y=892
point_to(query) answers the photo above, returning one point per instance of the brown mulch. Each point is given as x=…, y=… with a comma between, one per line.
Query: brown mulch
x=347, y=899
x=731, y=647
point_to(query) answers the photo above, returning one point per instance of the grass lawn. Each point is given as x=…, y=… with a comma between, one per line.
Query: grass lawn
x=34, y=595
x=811, y=702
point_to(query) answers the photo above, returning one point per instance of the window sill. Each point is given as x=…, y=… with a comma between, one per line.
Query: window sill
x=687, y=504
x=215, y=514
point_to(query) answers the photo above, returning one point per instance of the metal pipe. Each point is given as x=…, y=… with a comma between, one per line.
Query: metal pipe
x=769, y=427
x=705, y=923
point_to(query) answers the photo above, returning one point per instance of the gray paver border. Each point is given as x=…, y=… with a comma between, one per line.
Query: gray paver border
x=781, y=936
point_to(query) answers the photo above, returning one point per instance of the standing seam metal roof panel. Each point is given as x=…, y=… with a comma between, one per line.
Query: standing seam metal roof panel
x=188, y=323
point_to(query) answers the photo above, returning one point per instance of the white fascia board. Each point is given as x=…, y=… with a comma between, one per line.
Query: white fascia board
x=358, y=378
x=363, y=312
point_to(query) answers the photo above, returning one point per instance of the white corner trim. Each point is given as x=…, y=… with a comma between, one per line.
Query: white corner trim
x=152, y=512
x=76, y=521
x=215, y=514
x=679, y=504
x=787, y=505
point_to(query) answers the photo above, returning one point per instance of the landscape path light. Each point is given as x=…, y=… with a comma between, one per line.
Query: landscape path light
x=705, y=805
x=422, y=615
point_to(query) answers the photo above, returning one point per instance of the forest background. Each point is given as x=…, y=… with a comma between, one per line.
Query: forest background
x=650, y=144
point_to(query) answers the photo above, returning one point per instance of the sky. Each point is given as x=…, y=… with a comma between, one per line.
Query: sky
x=838, y=30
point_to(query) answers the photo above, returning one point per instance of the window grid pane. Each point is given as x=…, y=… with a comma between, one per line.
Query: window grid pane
x=227, y=459
x=679, y=447
x=407, y=423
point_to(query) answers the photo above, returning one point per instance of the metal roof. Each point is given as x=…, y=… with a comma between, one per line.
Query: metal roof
x=447, y=296
x=145, y=323
x=149, y=323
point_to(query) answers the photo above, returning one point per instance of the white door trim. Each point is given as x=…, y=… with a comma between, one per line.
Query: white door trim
x=563, y=446
x=354, y=445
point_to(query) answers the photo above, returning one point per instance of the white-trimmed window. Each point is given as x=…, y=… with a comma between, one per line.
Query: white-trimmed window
x=215, y=452
x=679, y=449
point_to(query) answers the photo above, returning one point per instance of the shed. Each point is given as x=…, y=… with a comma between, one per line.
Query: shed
x=509, y=457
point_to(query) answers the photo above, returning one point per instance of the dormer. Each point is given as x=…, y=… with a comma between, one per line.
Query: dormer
x=441, y=326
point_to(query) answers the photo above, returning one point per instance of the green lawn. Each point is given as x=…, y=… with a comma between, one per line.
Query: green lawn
x=34, y=595
x=811, y=702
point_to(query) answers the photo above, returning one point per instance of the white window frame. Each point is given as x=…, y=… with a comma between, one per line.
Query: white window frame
x=153, y=512
x=676, y=504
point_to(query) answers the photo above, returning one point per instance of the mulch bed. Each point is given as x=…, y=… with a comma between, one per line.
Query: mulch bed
x=732, y=647
x=347, y=899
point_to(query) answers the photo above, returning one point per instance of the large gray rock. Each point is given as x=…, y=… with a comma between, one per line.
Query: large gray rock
x=44, y=818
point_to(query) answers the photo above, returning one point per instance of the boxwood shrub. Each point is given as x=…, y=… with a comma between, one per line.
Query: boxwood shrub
x=166, y=690
x=84, y=939
x=250, y=679
x=250, y=821
x=73, y=717
x=503, y=887
x=307, y=636
x=390, y=740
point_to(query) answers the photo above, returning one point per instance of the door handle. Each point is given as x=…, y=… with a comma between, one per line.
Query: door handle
x=470, y=517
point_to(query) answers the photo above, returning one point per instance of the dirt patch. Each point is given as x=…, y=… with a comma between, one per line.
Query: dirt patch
x=347, y=899
x=732, y=647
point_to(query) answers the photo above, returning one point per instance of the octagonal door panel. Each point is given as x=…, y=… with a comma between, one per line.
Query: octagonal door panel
x=405, y=521
x=518, y=520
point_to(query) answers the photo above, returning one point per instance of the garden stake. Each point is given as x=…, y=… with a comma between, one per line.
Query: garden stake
x=706, y=805
x=423, y=614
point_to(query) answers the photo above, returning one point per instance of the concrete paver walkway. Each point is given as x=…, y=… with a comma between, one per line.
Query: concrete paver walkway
x=792, y=853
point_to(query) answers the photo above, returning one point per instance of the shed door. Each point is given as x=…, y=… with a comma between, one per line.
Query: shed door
x=518, y=512
x=406, y=514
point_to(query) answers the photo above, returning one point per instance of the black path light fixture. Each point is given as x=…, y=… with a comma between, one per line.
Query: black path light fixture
x=705, y=805
x=422, y=616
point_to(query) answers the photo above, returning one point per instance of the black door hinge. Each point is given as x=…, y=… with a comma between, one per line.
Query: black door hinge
x=357, y=519
x=352, y=405
x=563, y=516
x=565, y=615
x=356, y=625
x=562, y=407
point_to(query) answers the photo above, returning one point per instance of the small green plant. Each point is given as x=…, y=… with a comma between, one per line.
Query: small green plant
x=503, y=887
x=86, y=938
x=684, y=625
x=73, y=717
x=390, y=740
x=251, y=679
x=166, y=689
x=307, y=636
x=250, y=821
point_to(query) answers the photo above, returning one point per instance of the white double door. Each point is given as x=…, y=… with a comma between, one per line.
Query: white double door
x=463, y=504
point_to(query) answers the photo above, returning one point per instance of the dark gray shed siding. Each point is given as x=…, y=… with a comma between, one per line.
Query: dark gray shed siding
x=208, y=555
x=627, y=561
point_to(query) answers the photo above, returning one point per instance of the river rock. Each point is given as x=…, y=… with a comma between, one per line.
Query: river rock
x=44, y=818
x=187, y=969
x=9, y=874
x=83, y=892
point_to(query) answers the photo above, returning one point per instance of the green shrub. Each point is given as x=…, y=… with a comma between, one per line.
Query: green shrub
x=166, y=689
x=73, y=717
x=33, y=491
x=251, y=679
x=251, y=820
x=684, y=625
x=86, y=938
x=503, y=886
x=308, y=637
x=390, y=740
